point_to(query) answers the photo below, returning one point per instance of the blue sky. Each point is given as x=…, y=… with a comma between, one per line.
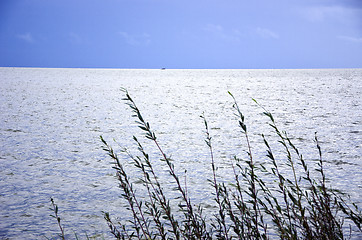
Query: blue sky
x=181, y=33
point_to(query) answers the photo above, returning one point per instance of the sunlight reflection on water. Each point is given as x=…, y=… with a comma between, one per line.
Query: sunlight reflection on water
x=51, y=120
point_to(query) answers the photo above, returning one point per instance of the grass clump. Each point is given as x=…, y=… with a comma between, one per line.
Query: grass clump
x=293, y=206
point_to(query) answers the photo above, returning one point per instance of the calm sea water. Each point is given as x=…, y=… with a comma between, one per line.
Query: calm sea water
x=51, y=120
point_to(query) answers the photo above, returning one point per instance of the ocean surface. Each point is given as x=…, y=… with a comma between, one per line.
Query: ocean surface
x=51, y=120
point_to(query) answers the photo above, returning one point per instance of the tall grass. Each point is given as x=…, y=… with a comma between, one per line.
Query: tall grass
x=296, y=204
x=296, y=207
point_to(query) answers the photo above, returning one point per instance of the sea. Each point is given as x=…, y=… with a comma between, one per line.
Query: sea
x=51, y=121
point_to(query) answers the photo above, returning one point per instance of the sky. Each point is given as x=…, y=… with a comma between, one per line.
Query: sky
x=181, y=34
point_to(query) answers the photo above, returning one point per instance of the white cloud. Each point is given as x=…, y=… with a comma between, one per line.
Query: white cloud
x=136, y=40
x=266, y=33
x=214, y=28
x=238, y=33
x=351, y=39
x=75, y=38
x=27, y=37
x=315, y=14
x=322, y=13
x=218, y=31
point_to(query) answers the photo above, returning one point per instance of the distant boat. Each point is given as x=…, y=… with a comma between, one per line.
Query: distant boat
x=163, y=68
